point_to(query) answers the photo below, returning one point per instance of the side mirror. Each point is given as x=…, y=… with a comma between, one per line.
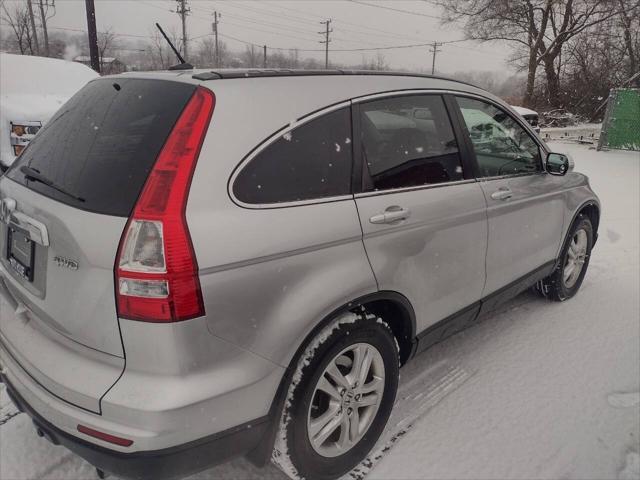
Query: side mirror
x=558, y=164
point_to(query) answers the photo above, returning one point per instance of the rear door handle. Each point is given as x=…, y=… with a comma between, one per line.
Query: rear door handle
x=502, y=194
x=392, y=214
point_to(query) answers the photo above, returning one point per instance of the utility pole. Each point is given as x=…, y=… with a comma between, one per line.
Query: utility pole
x=183, y=11
x=214, y=25
x=33, y=26
x=43, y=20
x=326, y=41
x=434, y=50
x=264, y=56
x=93, y=35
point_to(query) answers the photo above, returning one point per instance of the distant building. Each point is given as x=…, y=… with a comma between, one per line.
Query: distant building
x=108, y=65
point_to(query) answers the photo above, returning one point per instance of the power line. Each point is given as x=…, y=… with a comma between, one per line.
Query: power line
x=409, y=12
x=326, y=41
x=262, y=11
x=281, y=26
x=378, y=31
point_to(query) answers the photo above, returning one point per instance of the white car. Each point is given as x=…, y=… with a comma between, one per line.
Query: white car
x=531, y=116
x=28, y=101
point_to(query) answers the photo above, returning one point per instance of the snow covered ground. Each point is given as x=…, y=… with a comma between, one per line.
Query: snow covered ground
x=538, y=390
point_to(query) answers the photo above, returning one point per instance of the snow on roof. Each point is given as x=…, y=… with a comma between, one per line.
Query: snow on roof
x=27, y=74
x=86, y=59
x=524, y=111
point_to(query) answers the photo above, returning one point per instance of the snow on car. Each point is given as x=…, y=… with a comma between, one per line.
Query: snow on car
x=28, y=102
x=531, y=116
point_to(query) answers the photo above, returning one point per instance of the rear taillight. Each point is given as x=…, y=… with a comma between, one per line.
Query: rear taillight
x=156, y=271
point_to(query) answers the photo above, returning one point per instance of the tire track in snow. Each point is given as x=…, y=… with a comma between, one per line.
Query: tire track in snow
x=7, y=408
x=415, y=398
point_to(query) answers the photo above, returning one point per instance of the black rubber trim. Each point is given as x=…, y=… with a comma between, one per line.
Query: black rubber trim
x=470, y=165
x=357, y=178
x=588, y=203
x=447, y=327
x=491, y=301
x=168, y=463
x=469, y=315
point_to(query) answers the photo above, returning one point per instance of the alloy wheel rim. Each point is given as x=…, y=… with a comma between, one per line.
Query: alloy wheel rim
x=576, y=256
x=346, y=400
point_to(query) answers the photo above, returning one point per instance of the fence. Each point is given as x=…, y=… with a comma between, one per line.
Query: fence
x=621, y=124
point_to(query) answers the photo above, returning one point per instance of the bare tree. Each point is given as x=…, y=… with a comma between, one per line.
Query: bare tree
x=539, y=29
x=252, y=57
x=106, y=44
x=18, y=19
x=630, y=24
x=161, y=56
x=567, y=20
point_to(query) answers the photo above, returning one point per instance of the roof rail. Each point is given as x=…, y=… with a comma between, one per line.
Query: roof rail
x=270, y=72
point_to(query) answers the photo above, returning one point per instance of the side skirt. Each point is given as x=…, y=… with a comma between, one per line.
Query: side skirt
x=470, y=315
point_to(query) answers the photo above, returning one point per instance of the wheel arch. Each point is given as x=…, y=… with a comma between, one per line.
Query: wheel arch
x=590, y=208
x=397, y=312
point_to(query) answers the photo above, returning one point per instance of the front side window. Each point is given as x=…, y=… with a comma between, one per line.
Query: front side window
x=312, y=161
x=501, y=145
x=408, y=142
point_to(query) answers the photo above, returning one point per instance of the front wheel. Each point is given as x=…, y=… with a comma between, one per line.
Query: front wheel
x=566, y=279
x=339, y=399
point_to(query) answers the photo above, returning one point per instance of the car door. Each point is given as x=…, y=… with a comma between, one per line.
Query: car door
x=423, y=215
x=525, y=207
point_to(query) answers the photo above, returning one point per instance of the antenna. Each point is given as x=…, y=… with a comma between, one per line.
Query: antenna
x=183, y=65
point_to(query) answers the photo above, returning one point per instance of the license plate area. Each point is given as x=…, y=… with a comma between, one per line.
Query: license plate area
x=21, y=253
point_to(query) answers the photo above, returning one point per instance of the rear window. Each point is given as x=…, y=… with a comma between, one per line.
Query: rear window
x=101, y=145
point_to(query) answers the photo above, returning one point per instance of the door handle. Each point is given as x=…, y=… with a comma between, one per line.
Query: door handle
x=502, y=194
x=392, y=214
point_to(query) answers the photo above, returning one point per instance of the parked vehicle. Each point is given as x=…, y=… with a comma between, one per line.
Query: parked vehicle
x=531, y=116
x=32, y=89
x=266, y=248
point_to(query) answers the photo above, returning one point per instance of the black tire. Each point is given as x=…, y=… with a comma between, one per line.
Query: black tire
x=293, y=451
x=554, y=286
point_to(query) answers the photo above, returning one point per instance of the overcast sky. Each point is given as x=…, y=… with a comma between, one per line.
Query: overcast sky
x=295, y=23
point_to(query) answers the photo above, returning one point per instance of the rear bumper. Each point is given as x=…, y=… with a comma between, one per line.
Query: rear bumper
x=167, y=463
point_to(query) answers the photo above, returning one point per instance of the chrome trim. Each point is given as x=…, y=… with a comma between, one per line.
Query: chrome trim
x=513, y=175
x=37, y=230
x=411, y=189
x=7, y=207
x=272, y=139
x=402, y=93
x=499, y=103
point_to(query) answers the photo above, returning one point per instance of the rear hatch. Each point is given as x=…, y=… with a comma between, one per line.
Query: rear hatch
x=65, y=203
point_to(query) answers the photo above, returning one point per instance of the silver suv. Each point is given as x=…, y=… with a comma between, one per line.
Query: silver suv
x=200, y=264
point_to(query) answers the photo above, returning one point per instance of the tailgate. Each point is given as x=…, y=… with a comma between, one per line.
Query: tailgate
x=65, y=203
x=70, y=283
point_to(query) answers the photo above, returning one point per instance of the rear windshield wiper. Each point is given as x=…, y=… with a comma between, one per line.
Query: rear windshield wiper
x=34, y=175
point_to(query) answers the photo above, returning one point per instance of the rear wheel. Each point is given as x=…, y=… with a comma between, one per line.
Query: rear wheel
x=339, y=398
x=566, y=279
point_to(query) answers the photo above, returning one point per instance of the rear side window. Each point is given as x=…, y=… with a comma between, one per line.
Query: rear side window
x=102, y=144
x=408, y=141
x=312, y=161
